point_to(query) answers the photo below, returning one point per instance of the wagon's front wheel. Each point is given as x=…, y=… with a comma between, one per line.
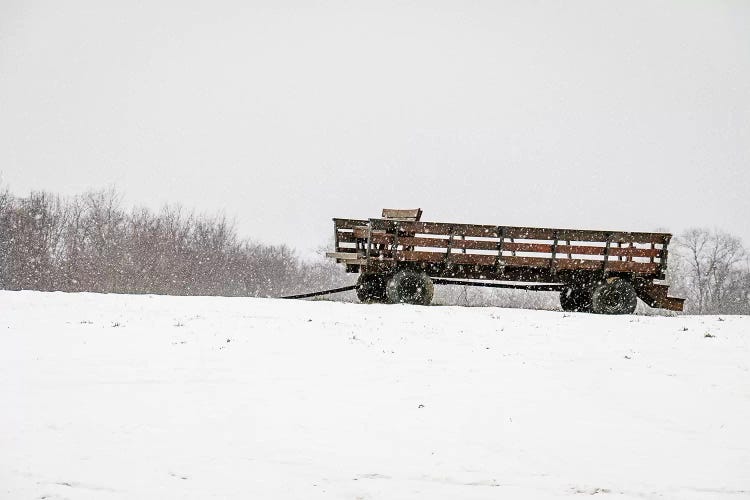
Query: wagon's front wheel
x=410, y=287
x=371, y=288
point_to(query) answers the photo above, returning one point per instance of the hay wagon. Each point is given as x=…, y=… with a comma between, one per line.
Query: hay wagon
x=400, y=258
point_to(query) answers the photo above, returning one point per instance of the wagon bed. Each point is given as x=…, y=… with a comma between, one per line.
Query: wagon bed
x=570, y=258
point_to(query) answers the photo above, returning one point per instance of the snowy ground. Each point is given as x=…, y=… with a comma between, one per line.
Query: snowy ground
x=145, y=397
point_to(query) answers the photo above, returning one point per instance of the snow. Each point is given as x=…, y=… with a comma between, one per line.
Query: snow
x=141, y=397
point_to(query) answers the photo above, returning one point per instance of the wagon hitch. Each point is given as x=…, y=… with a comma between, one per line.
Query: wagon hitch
x=322, y=292
x=553, y=287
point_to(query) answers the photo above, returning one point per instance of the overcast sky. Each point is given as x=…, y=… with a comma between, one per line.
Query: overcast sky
x=613, y=115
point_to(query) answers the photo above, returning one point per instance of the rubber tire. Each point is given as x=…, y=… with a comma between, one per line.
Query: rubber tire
x=614, y=296
x=410, y=287
x=371, y=288
x=568, y=301
x=575, y=299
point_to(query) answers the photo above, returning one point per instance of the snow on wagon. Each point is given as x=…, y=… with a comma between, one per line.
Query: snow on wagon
x=400, y=258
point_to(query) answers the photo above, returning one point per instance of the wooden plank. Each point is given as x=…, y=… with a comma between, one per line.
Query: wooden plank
x=471, y=230
x=474, y=245
x=345, y=237
x=580, y=249
x=473, y=259
x=354, y=262
x=412, y=256
x=348, y=223
x=579, y=264
x=613, y=251
x=527, y=261
x=529, y=233
x=537, y=233
x=634, y=252
x=361, y=232
x=342, y=255
x=632, y=267
x=533, y=233
x=528, y=247
x=403, y=214
x=613, y=265
x=438, y=257
x=387, y=239
x=615, y=236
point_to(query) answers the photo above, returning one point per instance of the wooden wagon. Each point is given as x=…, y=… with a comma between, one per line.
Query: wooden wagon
x=400, y=258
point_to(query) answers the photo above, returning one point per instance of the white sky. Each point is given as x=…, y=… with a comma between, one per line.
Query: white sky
x=616, y=115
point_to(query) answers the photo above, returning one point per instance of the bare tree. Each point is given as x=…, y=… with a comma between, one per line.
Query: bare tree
x=7, y=207
x=712, y=267
x=32, y=230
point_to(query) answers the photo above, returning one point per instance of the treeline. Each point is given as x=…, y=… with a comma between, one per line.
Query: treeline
x=91, y=243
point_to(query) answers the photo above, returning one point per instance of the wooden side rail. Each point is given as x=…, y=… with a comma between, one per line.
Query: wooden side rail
x=512, y=232
x=557, y=249
x=345, y=241
x=388, y=239
x=406, y=240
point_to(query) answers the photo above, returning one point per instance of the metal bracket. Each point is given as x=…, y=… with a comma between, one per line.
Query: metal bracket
x=606, y=253
x=369, y=241
x=451, y=235
x=394, y=245
x=500, y=263
x=553, y=262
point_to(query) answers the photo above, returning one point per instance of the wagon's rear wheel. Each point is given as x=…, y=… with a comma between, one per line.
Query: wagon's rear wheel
x=613, y=296
x=410, y=287
x=371, y=288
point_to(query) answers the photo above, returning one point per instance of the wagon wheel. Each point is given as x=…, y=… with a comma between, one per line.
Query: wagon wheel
x=575, y=298
x=613, y=296
x=568, y=299
x=371, y=288
x=410, y=287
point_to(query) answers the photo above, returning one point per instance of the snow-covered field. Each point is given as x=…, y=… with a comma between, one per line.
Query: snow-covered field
x=147, y=397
